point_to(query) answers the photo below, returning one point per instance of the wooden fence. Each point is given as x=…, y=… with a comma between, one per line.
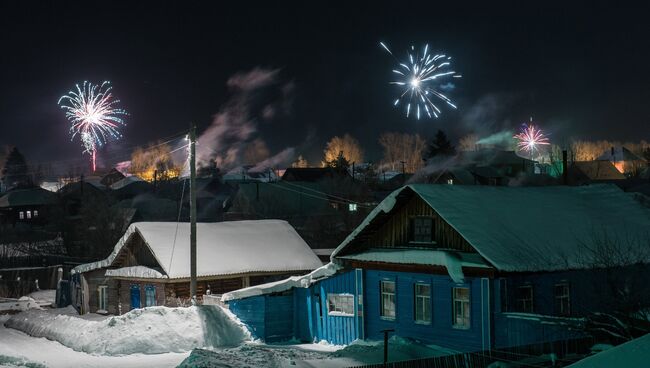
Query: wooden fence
x=553, y=354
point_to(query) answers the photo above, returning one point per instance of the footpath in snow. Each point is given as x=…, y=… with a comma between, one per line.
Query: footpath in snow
x=150, y=330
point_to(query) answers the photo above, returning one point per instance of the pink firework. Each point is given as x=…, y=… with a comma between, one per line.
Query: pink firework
x=530, y=138
x=93, y=115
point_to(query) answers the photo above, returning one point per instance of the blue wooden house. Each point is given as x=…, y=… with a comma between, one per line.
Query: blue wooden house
x=464, y=267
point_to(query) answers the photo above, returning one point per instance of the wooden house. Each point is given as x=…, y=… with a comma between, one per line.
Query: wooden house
x=470, y=268
x=29, y=206
x=150, y=264
x=624, y=160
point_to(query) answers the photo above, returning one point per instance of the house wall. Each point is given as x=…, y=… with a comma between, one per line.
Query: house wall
x=396, y=231
x=333, y=328
x=589, y=291
x=124, y=294
x=90, y=296
x=440, y=331
x=268, y=317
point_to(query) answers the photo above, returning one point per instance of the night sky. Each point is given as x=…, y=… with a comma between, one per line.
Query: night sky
x=580, y=70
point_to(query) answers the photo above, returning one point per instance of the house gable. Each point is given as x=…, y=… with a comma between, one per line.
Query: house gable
x=136, y=252
x=393, y=229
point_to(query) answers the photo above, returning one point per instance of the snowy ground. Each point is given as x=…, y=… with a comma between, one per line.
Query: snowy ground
x=18, y=349
x=165, y=337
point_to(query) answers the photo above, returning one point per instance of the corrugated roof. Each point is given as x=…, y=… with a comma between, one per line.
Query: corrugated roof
x=223, y=248
x=531, y=228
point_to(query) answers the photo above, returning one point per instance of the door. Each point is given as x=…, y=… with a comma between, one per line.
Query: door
x=135, y=296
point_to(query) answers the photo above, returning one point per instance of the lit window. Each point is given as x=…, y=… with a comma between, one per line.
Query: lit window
x=35, y=213
x=450, y=181
x=525, y=299
x=29, y=214
x=422, y=301
x=387, y=299
x=102, y=297
x=352, y=207
x=21, y=215
x=340, y=305
x=422, y=229
x=562, y=299
x=149, y=296
x=461, y=307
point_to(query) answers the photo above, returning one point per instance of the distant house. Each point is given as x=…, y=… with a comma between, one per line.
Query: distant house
x=27, y=206
x=314, y=174
x=150, y=264
x=111, y=177
x=624, y=160
x=586, y=172
x=250, y=173
x=464, y=267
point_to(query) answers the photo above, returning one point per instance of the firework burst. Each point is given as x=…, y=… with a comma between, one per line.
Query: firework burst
x=93, y=115
x=530, y=138
x=422, y=78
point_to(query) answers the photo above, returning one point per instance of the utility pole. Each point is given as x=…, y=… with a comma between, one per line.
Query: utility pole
x=193, y=213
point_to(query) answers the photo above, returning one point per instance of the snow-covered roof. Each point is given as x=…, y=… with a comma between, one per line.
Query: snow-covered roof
x=452, y=260
x=223, y=248
x=530, y=228
x=283, y=285
x=635, y=353
x=140, y=272
x=617, y=154
x=126, y=181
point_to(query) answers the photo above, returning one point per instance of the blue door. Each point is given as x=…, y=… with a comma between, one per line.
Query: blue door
x=135, y=296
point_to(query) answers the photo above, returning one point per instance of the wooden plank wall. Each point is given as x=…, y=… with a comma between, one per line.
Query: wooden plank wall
x=395, y=232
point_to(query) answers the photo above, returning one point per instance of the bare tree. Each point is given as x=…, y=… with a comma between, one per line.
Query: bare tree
x=349, y=146
x=468, y=143
x=398, y=148
x=154, y=159
x=301, y=162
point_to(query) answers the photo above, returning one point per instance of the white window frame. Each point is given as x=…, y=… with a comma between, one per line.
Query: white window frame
x=29, y=214
x=450, y=181
x=21, y=215
x=386, y=298
x=461, y=309
x=352, y=207
x=525, y=304
x=340, y=305
x=422, y=304
x=561, y=298
x=35, y=213
x=102, y=297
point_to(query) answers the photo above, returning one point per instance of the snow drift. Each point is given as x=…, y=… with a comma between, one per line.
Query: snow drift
x=150, y=330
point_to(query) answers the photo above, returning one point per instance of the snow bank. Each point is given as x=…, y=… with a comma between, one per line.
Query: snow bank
x=151, y=330
x=283, y=285
x=22, y=304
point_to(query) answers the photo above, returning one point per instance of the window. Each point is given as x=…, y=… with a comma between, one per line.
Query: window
x=149, y=296
x=387, y=300
x=525, y=299
x=422, y=302
x=102, y=297
x=21, y=215
x=562, y=299
x=422, y=229
x=352, y=207
x=461, y=307
x=29, y=214
x=450, y=181
x=35, y=213
x=340, y=305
